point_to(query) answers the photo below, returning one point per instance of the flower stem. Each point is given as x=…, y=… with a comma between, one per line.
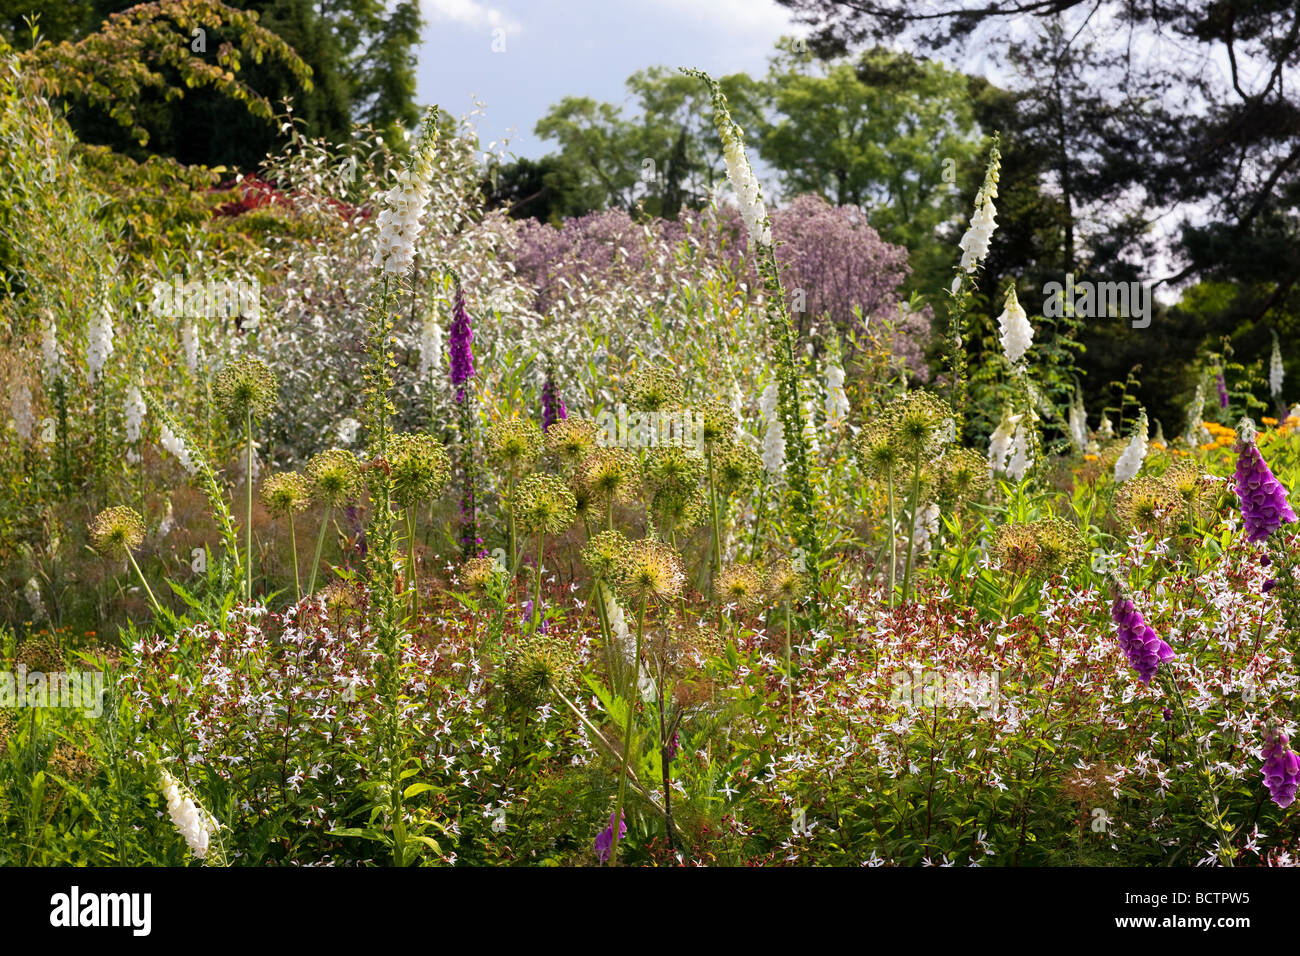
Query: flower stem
x=320, y=542
x=630, y=701
x=147, y=590
x=293, y=546
x=911, y=536
x=248, y=505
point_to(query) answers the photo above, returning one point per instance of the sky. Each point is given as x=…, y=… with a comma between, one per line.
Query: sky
x=520, y=57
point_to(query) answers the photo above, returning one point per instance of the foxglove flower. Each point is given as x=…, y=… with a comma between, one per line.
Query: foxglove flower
x=1276, y=373
x=51, y=355
x=926, y=527
x=1078, y=423
x=190, y=343
x=1017, y=333
x=431, y=345
x=1222, y=384
x=134, y=410
x=1002, y=442
x=404, y=205
x=749, y=195
x=99, y=340
x=774, y=437
x=553, y=407
x=1196, y=433
x=1022, y=452
x=1141, y=645
x=461, y=348
x=193, y=823
x=1281, y=768
x=173, y=444
x=837, y=403
x=20, y=407
x=1263, y=499
x=975, y=243
x=605, y=839
x=1132, y=457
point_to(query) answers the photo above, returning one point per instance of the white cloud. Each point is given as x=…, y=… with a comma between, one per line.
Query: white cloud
x=472, y=14
x=763, y=18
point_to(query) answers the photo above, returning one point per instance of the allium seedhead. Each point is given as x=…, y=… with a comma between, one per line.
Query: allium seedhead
x=285, y=493
x=720, y=423
x=1263, y=498
x=741, y=585
x=570, y=440
x=514, y=444
x=610, y=473
x=480, y=574
x=543, y=504
x=115, y=531
x=650, y=569
x=590, y=506
x=535, y=665
x=419, y=467
x=783, y=582
x=669, y=469
x=1045, y=547
x=1148, y=504
x=1145, y=650
x=682, y=510
x=962, y=474
x=920, y=423
x=1186, y=479
x=244, y=386
x=1281, y=767
x=335, y=477
x=876, y=449
x=735, y=466
x=655, y=389
x=603, y=554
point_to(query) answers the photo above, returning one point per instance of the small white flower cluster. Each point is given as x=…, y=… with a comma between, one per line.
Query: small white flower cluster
x=51, y=356
x=20, y=407
x=404, y=205
x=32, y=595
x=837, y=402
x=193, y=823
x=1010, y=449
x=431, y=346
x=99, y=340
x=135, y=411
x=190, y=343
x=1017, y=333
x=926, y=527
x=1276, y=373
x=1132, y=457
x=172, y=442
x=1078, y=423
x=774, y=437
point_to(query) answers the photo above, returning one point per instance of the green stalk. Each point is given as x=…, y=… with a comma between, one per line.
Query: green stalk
x=293, y=545
x=320, y=542
x=789, y=671
x=410, y=561
x=630, y=700
x=893, y=536
x=911, y=537
x=147, y=590
x=537, y=586
x=248, y=505
x=716, y=565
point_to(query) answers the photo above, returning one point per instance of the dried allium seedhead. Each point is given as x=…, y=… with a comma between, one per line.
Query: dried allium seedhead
x=285, y=493
x=735, y=466
x=335, y=477
x=876, y=449
x=247, y=386
x=741, y=585
x=961, y=475
x=720, y=423
x=570, y=440
x=543, y=504
x=650, y=570
x=1045, y=547
x=514, y=444
x=655, y=389
x=535, y=665
x=783, y=583
x=603, y=554
x=610, y=473
x=116, y=531
x=1148, y=504
x=419, y=467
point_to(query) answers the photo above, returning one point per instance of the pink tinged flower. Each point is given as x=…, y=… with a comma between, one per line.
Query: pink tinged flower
x=1263, y=498
x=1145, y=650
x=1281, y=768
